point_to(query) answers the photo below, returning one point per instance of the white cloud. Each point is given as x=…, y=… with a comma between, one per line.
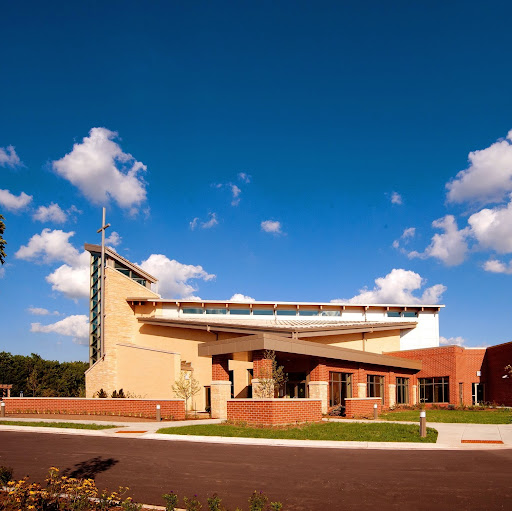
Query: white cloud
x=396, y=198
x=73, y=326
x=9, y=158
x=272, y=226
x=244, y=177
x=493, y=228
x=2, y=273
x=451, y=341
x=101, y=170
x=51, y=213
x=39, y=311
x=173, y=277
x=488, y=177
x=114, y=239
x=212, y=222
x=239, y=297
x=398, y=286
x=496, y=266
x=410, y=232
x=236, y=194
x=450, y=247
x=406, y=236
x=14, y=202
x=72, y=280
x=49, y=246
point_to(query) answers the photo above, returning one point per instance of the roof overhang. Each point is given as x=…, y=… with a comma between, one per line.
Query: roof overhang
x=120, y=259
x=284, y=331
x=278, y=343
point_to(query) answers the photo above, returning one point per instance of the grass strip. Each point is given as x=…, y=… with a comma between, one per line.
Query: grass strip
x=68, y=425
x=360, y=432
x=498, y=416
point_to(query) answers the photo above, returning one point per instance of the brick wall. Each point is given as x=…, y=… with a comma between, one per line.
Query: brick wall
x=459, y=364
x=262, y=367
x=220, y=368
x=274, y=412
x=321, y=369
x=498, y=389
x=362, y=407
x=170, y=409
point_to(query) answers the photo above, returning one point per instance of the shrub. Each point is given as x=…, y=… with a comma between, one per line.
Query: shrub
x=214, y=503
x=101, y=394
x=192, y=504
x=171, y=501
x=257, y=501
x=5, y=475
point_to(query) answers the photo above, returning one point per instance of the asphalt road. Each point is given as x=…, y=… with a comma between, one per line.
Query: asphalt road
x=301, y=478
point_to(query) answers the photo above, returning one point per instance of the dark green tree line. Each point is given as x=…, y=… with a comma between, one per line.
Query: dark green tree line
x=37, y=377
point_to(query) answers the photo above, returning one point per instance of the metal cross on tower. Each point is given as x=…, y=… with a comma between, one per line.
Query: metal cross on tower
x=103, y=228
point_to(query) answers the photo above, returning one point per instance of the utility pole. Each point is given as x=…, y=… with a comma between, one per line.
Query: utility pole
x=104, y=227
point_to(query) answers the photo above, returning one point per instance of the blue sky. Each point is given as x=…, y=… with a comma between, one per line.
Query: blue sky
x=338, y=125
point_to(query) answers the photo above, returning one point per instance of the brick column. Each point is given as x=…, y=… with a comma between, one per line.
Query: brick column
x=318, y=383
x=261, y=369
x=220, y=387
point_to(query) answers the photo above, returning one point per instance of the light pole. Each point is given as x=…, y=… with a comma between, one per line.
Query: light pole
x=102, y=289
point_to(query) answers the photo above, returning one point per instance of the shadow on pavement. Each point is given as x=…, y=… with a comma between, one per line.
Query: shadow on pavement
x=90, y=468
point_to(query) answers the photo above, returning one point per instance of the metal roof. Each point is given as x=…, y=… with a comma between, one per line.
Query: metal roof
x=276, y=304
x=293, y=327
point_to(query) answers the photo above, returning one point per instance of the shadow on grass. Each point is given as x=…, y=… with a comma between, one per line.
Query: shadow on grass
x=90, y=468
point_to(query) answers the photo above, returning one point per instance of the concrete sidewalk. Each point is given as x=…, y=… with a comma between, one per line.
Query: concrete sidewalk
x=451, y=435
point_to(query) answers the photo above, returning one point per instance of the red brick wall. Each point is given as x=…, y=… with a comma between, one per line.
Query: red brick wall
x=360, y=372
x=363, y=407
x=498, y=389
x=459, y=364
x=220, y=368
x=262, y=367
x=170, y=409
x=275, y=412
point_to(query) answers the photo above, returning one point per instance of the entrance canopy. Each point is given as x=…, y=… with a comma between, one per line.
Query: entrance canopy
x=241, y=348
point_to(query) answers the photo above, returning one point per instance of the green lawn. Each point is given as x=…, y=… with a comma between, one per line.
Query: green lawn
x=497, y=416
x=362, y=432
x=69, y=425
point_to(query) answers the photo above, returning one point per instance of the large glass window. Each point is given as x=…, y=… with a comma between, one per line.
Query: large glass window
x=393, y=314
x=192, y=311
x=340, y=387
x=330, y=313
x=240, y=312
x=402, y=391
x=410, y=314
x=308, y=312
x=263, y=312
x=216, y=311
x=434, y=390
x=375, y=386
x=286, y=312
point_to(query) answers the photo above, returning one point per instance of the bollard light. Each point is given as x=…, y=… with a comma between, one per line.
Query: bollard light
x=158, y=413
x=375, y=411
x=2, y=412
x=423, y=424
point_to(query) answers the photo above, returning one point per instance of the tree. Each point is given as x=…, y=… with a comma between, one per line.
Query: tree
x=33, y=382
x=186, y=387
x=2, y=241
x=271, y=376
